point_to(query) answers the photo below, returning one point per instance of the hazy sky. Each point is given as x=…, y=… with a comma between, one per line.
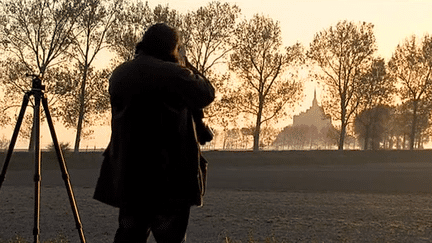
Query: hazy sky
x=300, y=20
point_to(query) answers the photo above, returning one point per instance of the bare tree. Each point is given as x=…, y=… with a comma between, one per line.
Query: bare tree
x=88, y=40
x=95, y=98
x=411, y=65
x=258, y=61
x=343, y=52
x=130, y=24
x=207, y=37
x=370, y=126
x=207, y=34
x=377, y=89
x=127, y=30
x=36, y=34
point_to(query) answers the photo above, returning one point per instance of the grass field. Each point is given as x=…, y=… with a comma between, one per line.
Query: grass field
x=293, y=196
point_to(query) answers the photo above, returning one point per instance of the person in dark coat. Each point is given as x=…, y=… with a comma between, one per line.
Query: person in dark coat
x=153, y=169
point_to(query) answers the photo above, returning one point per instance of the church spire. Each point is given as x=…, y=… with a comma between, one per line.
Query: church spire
x=315, y=101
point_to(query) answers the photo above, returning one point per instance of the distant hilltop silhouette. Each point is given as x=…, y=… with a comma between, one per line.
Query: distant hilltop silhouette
x=314, y=116
x=311, y=129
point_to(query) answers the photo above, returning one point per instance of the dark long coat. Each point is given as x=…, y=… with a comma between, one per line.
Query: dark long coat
x=153, y=157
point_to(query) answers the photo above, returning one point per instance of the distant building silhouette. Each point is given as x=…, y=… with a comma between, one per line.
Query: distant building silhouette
x=314, y=116
x=311, y=129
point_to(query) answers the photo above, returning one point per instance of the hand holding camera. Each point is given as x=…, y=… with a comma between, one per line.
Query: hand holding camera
x=204, y=132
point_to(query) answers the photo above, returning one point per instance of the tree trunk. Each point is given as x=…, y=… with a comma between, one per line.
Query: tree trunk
x=342, y=136
x=224, y=140
x=343, y=123
x=256, y=145
x=414, y=124
x=366, y=138
x=81, y=111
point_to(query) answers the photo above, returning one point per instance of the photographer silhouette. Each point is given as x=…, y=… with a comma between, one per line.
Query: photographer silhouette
x=153, y=169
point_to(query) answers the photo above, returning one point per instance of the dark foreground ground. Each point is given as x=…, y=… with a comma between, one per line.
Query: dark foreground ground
x=296, y=196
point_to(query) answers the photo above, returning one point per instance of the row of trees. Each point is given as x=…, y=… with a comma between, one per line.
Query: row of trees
x=390, y=127
x=302, y=137
x=358, y=83
x=407, y=78
x=256, y=76
x=60, y=40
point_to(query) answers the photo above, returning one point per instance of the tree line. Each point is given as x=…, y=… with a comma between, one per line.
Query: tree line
x=257, y=78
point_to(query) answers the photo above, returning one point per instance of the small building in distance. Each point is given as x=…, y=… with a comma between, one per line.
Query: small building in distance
x=314, y=116
x=311, y=129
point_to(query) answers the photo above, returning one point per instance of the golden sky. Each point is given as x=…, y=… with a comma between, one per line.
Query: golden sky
x=300, y=20
x=394, y=20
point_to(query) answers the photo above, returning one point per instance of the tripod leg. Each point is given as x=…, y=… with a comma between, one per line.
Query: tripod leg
x=37, y=159
x=64, y=171
x=14, y=137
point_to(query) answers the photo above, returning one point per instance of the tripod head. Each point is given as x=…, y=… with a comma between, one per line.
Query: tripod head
x=36, y=82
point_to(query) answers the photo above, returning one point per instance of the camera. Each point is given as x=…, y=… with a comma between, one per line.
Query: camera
x=36, y=81
x=204, y=133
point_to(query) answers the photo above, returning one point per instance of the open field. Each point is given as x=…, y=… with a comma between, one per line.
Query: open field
x=296, y=196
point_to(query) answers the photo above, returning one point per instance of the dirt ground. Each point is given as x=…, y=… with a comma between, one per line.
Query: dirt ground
x=294, y=197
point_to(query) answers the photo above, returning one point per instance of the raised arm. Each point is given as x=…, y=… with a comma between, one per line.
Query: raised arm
x=196, y=90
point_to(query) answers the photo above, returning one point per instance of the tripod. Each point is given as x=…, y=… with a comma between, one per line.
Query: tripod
x=37, y=92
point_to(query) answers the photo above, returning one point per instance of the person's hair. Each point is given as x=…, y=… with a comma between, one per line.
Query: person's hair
x=160, y=41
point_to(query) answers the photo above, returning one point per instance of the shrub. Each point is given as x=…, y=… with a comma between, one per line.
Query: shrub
x=4, y=143
x=65, y=147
